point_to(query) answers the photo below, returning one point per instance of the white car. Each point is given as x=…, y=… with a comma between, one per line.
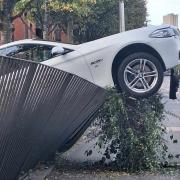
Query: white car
x=134, y=61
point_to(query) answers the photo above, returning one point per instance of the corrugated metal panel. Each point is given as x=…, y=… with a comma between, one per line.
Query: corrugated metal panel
x=42, y=109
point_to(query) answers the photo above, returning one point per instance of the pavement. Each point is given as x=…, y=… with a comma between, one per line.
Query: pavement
x=40, y=173
x=172, y=123
x=86, y=175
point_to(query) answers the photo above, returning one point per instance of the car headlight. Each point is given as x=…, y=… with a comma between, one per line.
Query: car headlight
x=163, y=33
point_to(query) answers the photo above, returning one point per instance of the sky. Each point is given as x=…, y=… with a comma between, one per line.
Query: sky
x=158, y=8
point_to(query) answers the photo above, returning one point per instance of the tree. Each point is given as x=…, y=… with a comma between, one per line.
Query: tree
x=88, y=20
x=135, y=13
x=48, y=14
x=7, y=9
x=6, y=12
x=103, y=19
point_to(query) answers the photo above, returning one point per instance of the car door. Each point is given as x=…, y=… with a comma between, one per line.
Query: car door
x=71, y=61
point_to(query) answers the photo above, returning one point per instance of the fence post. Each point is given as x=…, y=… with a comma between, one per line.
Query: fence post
x=174, y=85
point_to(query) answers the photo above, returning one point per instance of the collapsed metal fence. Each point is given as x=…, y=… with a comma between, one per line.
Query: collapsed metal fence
x=42, y=109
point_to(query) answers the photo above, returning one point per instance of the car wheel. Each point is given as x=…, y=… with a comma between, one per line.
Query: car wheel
x=140, y=75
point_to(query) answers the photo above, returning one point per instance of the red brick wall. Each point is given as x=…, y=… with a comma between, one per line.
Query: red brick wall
x=21, y=31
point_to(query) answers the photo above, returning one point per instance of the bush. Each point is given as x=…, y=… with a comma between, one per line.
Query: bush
x=132, y=131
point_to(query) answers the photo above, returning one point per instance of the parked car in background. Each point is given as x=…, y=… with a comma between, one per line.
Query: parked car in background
x=133, y=61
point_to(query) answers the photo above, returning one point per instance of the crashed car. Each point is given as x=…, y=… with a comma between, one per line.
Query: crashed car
x=133, y=61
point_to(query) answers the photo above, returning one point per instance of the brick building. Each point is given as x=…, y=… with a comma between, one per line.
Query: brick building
x=27, y=30
x=23, y=30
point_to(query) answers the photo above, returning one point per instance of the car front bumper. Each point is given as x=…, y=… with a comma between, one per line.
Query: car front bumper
x=169, y=50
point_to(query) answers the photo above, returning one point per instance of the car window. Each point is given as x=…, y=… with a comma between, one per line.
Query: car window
x=34, y=52
x=3, y=52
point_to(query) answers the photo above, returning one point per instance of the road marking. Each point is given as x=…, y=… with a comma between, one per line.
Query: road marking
x=174, y=129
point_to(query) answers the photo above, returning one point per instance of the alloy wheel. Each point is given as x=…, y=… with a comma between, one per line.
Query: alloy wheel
x=140, y=75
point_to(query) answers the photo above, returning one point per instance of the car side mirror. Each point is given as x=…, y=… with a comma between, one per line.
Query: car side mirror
x=58, y=50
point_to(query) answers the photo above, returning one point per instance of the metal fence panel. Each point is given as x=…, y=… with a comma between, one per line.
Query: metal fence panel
x=42, y=109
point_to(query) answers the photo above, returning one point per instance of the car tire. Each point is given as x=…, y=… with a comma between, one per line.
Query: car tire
x=140, y=75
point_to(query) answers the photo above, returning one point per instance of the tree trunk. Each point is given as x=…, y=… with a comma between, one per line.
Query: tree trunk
x=70, y=31
x=45, y=25
x=6, y=34
x=6, y=18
